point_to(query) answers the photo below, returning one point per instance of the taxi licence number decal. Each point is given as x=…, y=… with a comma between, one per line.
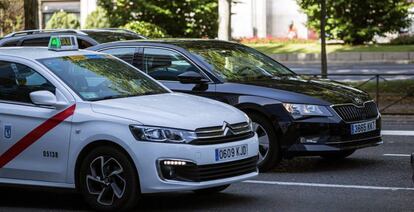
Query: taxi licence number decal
x=227, y=153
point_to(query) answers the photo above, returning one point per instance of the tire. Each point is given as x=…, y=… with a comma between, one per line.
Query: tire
x=212, y=190
x=116, y=188
x=270, y=158
x=338, y=155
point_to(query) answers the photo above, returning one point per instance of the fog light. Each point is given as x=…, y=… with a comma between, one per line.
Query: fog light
x=310, y=140
x=174, y=169
x=174, y=163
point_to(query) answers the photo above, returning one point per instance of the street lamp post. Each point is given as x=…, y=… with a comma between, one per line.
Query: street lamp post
x=324, y=63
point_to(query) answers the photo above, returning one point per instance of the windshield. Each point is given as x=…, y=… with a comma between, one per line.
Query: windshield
x=106, y=37
x=237, y=62
x=99, y=77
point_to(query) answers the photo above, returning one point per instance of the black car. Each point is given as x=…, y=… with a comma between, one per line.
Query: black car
x=86, y=37
x=292, y=115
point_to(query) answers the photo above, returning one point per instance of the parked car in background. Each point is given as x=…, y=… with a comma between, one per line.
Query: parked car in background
x=86, y=37
x=292, y=115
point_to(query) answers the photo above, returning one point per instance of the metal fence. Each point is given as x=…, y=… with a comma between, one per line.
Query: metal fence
x=393, y=93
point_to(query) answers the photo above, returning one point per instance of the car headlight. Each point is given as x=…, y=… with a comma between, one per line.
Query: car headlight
x=302, y=110
x=162, y=135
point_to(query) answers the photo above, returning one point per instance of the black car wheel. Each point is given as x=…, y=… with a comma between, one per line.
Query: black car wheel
x=212, y=190
x=269, y=148
x=338, y=155
x=108, y=180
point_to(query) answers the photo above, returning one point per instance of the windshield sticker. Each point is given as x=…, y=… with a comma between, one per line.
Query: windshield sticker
x=77, y=58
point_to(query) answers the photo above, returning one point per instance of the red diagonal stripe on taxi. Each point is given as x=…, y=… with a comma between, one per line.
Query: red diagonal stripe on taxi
x=35, y=135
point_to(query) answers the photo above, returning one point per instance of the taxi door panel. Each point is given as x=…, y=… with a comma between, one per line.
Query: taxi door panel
x=46, y=158
x=34, y=157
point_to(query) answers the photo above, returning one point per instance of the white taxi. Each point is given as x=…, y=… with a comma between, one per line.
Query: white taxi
x=86, y=120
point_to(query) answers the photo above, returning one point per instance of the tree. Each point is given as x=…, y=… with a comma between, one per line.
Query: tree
x=63, y=20
x=30, y=14
x=97, y=19
x=146, y=29
x=184, y=18
x=11, y=16
x=356, y=21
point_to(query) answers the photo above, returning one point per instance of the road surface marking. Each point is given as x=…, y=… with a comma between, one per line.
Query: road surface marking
x=398, y=155
x=398, y=132
x=321, y=185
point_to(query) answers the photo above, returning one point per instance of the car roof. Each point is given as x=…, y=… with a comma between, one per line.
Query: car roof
x=35, y=53
x=176, y=42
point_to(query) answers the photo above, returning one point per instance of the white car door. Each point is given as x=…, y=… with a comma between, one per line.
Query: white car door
x=34, y=140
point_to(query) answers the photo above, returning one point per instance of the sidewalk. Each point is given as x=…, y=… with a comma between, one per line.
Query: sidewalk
x=347, y=57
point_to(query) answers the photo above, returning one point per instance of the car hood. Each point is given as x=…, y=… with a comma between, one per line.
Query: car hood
x=298, y=89
x=173, y=110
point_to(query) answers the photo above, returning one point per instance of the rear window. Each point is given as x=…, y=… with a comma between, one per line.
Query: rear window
x=105, y=37
x=36, y=42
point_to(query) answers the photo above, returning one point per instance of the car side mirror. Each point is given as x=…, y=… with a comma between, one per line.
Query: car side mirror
x=191, y=77
x=45, y=98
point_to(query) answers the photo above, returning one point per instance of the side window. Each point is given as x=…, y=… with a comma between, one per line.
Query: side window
x=18, y=81
x=83, y=44
x=36, y=42
x=126, y=54
x=166, y=64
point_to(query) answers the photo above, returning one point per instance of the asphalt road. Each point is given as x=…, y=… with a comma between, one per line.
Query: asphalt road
x=373, y=179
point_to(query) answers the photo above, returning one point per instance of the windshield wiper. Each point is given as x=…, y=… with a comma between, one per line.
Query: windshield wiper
x=106, y=98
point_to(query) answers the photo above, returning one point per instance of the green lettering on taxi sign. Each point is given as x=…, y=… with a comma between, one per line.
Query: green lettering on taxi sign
x=55, y=42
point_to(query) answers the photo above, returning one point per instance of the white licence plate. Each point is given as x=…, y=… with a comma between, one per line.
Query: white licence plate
x=363, y=127
x=228, y=153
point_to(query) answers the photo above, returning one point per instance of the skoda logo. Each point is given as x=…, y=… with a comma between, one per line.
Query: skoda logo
x=227, y=129
x=358, y=101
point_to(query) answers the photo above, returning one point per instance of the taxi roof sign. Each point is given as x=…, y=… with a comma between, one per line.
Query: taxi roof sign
x=63, y=43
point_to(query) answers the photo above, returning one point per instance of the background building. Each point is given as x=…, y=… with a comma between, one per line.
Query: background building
x=81, y=8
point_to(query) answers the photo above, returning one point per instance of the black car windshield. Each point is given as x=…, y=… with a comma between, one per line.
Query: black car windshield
x=236, y=62
x=107, y=36
x=99, y=77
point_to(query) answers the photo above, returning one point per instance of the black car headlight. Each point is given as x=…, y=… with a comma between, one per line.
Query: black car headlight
x=162, y=135
x=298, y=111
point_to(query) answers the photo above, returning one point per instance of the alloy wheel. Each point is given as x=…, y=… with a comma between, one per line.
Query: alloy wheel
x=263, y=141
x=106, y=180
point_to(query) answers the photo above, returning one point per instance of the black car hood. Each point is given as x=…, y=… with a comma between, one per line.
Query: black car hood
x=330, y=92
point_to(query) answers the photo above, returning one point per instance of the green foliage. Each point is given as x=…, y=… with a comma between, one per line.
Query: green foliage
x=11, y=16
x=184, y=18
x=63, y=20
x=97, y=19
x=146, y=29
x=403, y=40
x=358, y=21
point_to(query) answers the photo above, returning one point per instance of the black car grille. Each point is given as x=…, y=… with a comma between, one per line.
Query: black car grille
x=217, y=171
x=351, y=113
x=223, y=134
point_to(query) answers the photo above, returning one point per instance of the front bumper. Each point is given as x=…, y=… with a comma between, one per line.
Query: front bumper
x=316, y=136
x=148, y=154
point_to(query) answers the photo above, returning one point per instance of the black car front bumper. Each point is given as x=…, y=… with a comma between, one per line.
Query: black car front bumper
x=316, y=136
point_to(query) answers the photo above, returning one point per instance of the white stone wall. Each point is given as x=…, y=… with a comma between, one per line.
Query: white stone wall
x=262, y=18
x=87, y=6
